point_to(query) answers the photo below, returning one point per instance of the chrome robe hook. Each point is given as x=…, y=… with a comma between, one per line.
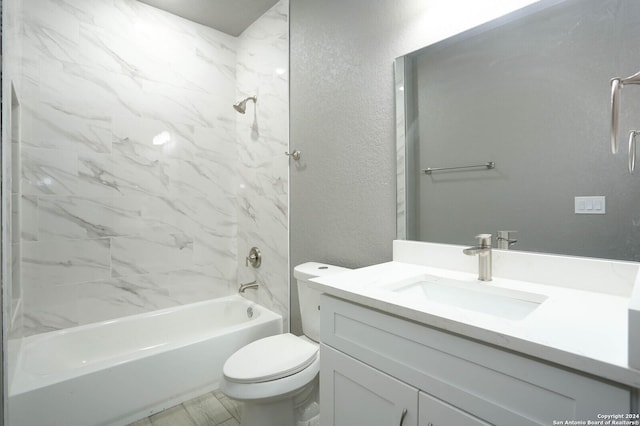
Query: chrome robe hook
x=295, y=154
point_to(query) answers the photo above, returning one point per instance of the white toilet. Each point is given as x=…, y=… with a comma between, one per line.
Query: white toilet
x=277, y=377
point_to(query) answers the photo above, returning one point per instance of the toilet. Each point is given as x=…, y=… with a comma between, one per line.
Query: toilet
x=276, y=377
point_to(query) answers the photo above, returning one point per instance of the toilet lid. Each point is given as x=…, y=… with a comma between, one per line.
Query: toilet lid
x=270, y=358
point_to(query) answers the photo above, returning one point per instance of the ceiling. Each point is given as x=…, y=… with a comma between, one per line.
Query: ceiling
x=229, y=16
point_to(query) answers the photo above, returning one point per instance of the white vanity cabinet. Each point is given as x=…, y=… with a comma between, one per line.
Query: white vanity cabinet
x=375, y=365
x=354, y=394
x=434, y=412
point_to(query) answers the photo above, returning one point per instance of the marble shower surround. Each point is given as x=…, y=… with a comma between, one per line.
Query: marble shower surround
x=112, y=224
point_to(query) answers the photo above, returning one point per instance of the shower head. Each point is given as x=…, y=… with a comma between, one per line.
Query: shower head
x=241, y=106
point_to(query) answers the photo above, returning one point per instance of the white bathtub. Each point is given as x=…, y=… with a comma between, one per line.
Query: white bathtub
x=115, y=372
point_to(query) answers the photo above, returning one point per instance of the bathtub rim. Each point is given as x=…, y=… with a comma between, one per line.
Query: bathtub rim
x=25, y=381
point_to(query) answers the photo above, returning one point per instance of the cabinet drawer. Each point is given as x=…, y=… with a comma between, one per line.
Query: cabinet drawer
x=492, y=384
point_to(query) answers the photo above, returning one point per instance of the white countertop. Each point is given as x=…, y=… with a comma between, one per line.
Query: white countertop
x=582, y=330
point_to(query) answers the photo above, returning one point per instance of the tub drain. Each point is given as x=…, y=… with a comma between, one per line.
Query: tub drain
x=250, y=312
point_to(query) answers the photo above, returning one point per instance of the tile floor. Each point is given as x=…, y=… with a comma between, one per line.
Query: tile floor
x=211, y=409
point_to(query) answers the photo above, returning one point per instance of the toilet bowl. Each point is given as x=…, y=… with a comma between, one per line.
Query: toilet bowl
x=276, y=378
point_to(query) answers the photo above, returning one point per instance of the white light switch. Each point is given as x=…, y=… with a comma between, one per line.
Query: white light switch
x=590, y=205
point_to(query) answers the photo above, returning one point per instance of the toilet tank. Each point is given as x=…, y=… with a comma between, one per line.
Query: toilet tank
x=309, y=298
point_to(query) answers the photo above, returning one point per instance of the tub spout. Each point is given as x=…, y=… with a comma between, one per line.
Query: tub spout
x=244, y=287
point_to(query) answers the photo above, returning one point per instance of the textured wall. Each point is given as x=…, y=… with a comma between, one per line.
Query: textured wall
x=343, y=191
x=113, y=224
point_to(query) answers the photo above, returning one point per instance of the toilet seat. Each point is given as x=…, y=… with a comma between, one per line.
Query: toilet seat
x=304, y=366
x=270, y=358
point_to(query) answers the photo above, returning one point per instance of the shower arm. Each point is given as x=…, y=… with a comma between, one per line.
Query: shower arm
x=616, y=85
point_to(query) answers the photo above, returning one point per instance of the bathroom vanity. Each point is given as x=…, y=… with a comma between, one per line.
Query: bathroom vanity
x=420, y=341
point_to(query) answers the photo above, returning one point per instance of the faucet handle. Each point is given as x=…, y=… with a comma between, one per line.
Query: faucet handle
x=505, y=239
x=484, y=240
x=255, y=258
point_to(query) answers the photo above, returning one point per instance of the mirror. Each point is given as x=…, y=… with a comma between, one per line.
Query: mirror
x=529, y=92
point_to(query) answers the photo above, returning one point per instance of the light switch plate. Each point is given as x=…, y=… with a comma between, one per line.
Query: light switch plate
x=590, y=205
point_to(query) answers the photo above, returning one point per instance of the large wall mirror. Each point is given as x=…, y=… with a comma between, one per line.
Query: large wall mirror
x=530, y=93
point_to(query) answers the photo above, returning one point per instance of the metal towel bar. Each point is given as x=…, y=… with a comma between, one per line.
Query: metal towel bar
x=488, y=165
x=616, y=85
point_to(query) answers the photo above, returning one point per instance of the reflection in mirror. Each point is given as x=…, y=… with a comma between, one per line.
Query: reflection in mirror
x=530, y=92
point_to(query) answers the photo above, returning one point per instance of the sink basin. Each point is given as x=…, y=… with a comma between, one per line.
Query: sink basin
x=474, y=296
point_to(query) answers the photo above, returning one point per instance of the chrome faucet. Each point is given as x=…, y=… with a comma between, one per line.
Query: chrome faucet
x=244, y=287
x=483, y=251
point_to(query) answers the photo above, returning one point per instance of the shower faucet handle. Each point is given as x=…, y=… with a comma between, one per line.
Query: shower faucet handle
x=255, y=258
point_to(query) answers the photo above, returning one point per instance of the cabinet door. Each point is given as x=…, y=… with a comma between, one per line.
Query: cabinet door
x=434, y=412
x=354, y=394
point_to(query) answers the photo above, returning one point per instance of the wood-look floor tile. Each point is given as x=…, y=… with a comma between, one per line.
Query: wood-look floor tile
x=143, y=422
x=232, y=406
x=211, y=409
x=230, y=422
x=206, y=410
x=174, y=416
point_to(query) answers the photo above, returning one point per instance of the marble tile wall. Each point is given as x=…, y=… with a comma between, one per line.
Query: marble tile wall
x=263, y=138
x=113, y=224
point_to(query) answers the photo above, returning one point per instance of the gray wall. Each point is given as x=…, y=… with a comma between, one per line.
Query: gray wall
x=342, y=118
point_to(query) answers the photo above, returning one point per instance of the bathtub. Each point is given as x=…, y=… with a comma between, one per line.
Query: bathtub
x=115, y=372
